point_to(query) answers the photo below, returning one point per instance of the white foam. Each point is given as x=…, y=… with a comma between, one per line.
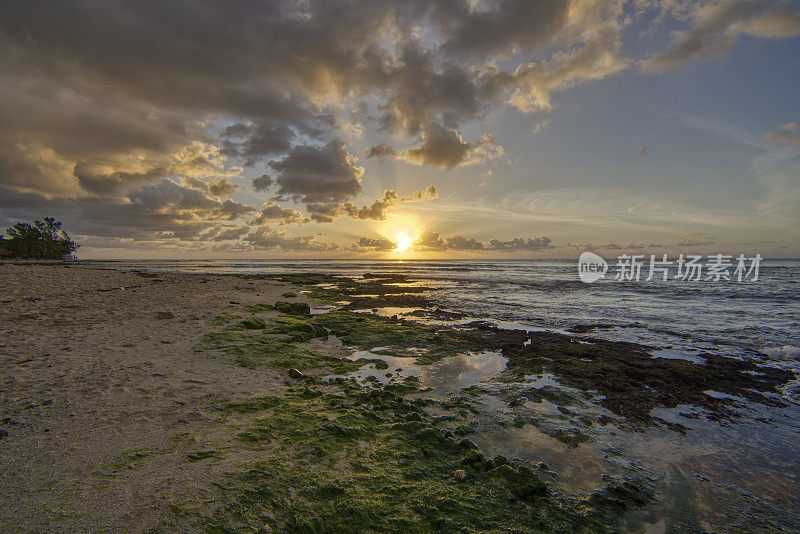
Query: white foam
x=787, y=352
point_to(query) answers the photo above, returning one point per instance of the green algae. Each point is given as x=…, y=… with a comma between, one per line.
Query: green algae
x=260, y=308
x=289, y=295
x=293, y=308
x=224, y=319
x=252, y=348
x=297, y=329
x=253, y=323
x=354, y=462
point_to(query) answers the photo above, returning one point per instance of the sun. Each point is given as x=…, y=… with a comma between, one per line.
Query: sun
x=404, y=242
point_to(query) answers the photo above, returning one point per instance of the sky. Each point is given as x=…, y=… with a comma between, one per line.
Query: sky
x=404, y=128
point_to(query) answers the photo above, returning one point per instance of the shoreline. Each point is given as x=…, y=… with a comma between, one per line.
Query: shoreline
x=149, y=397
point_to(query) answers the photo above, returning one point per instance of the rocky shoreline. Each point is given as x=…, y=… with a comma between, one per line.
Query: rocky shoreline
x=182, y=403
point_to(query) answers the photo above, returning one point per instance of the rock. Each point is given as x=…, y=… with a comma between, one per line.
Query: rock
x=293, y=308
x=27, y=316
x=460, y=474
x=165, y=314
x=3, y=433
x=294, y=373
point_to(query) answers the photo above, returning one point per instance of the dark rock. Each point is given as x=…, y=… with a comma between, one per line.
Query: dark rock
x=165, y=314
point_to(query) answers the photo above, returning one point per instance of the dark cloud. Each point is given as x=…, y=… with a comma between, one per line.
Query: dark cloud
x=221, y=233
x=271, y=212
x=266, y=238
x=327, y=174
x=263, y=182
x=252, y=142
x=444, y=147
x=381, y=151
x=375, y=244
x=377, y=211
x=432, y=241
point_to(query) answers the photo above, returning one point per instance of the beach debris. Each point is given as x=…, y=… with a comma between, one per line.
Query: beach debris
x=165, y=314
x=294, y=373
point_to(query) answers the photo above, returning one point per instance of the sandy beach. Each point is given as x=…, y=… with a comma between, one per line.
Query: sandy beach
x=138, y=401
x=95, y=375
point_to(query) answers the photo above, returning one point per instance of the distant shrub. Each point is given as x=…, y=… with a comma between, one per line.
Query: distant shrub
x=44, y=239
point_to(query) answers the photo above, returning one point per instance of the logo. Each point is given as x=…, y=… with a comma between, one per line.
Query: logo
x=591, y=267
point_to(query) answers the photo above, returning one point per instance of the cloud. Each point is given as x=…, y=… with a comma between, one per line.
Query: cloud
x=221, y=233
x=171, y=209
x=36, y=168
x=716, y=27
x=445, y=148
x=785, y=134
x=272, y=212
x=518, y=243
x=779, y=24
x=377, y=211
x=429, y=193
x=318, y=175
x=252, y=142
x=429, y=240
x=263, y=182
x=266, y=238
x=540, y=126
x=101, y=100
x=432, y=241
x=594, y=60
x=697, y=239
x=218, y=187
x=381, y=151
x=375, y=244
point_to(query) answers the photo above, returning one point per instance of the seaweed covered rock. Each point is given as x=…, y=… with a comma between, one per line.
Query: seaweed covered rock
x=297, y=329
x=633, y=383
x=293, y=308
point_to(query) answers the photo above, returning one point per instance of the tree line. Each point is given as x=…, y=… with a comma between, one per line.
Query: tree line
x=42, y=239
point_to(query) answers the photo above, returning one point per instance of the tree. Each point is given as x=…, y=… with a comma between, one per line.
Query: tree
x=43, y=239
